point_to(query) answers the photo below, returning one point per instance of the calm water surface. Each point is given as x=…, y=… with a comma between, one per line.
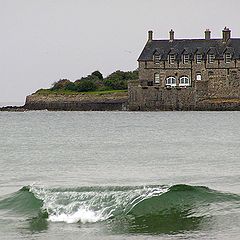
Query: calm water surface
x=119, y=175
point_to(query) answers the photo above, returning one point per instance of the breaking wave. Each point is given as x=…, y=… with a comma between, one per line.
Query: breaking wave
x=141, y=205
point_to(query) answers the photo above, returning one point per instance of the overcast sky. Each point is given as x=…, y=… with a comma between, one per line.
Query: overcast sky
x=43, y=41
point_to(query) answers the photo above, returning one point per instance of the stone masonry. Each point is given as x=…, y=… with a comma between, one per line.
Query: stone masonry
x=188, y=74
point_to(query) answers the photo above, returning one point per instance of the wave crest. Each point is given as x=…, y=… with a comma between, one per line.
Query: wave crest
x=94, y=204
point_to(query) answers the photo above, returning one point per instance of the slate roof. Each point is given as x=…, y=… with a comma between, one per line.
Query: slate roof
x=191, y=47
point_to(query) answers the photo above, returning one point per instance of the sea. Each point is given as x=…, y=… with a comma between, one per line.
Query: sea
x=119, y=175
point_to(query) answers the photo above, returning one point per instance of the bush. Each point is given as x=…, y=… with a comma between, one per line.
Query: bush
x=61, y=84
x=97, y=74
x=117, y=80
x=120, y=75
x=85, y=85
x=116, y=84
x=70, y=86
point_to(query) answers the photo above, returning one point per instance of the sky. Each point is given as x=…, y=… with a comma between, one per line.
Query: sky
x=42, y=41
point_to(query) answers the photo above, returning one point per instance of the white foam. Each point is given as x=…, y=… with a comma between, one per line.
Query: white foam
x=82, y=215
x=89, y=206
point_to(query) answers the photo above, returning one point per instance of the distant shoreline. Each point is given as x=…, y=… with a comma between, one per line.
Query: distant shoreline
x=57, y=101
x=12, y=104
x=102, y=101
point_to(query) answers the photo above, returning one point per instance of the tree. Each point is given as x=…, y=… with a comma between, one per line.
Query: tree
x=97, y=74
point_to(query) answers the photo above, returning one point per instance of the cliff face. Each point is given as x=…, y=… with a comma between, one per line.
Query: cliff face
x=78, y=102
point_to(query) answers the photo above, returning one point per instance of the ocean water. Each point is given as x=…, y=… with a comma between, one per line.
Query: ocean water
x=119, y=175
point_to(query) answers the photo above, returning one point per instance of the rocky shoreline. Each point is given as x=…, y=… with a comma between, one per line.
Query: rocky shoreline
x=76, y=102
x=13, y=109
x=107, y=102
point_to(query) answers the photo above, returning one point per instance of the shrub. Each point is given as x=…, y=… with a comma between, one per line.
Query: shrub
x=70, y=86
x=61, y=84
x=97, y=74
x=95, y=81
x=118, y=80
x=85, y=85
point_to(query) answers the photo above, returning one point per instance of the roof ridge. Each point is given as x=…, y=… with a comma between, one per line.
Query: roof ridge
x=165, y=46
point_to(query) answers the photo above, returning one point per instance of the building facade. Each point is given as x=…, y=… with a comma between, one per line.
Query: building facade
x=180, y=73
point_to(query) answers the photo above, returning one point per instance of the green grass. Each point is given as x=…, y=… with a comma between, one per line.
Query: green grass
x=67, y=92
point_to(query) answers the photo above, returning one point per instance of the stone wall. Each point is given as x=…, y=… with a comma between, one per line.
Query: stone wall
x=206, y=95
x=224, y=86
x=218, y=89
x=144, y=98
x=79, y=102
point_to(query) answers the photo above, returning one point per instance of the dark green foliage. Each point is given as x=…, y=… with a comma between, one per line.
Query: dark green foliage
x=70, y=86
x=118, y=79
x=116, y=84
x=120, y=75
x=115, y=81
x=98, y=75
x=61, y=84
x=85, y=85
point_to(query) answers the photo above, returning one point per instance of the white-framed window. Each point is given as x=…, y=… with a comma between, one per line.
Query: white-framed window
x=211, y=58
x=199, y=58
x=171, y=81
x=184, y=81
x=171, y=58
x=228, y=57
x=156, y=58
x=185, y=58
x=156, y=78
x=198, y=76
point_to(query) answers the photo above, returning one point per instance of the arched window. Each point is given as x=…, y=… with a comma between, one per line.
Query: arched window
x=184, y=81
x=171, y=81
x=198, y=76
x=156, y=78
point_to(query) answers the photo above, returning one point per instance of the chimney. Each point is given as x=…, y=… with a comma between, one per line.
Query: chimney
x=171, y=35
x=150, y=36
x=207, y=34
x=226, y=33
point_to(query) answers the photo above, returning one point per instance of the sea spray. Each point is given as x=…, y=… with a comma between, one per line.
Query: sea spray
x=82, y=215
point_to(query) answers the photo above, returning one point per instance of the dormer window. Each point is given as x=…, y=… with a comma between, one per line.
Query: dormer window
x=185, y=58
x=156, y=58
x=171, y=58
x=211, y=58
x=198, y=58
x=228, y=57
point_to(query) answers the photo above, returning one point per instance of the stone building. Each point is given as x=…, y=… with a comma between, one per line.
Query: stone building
x=188, y=74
